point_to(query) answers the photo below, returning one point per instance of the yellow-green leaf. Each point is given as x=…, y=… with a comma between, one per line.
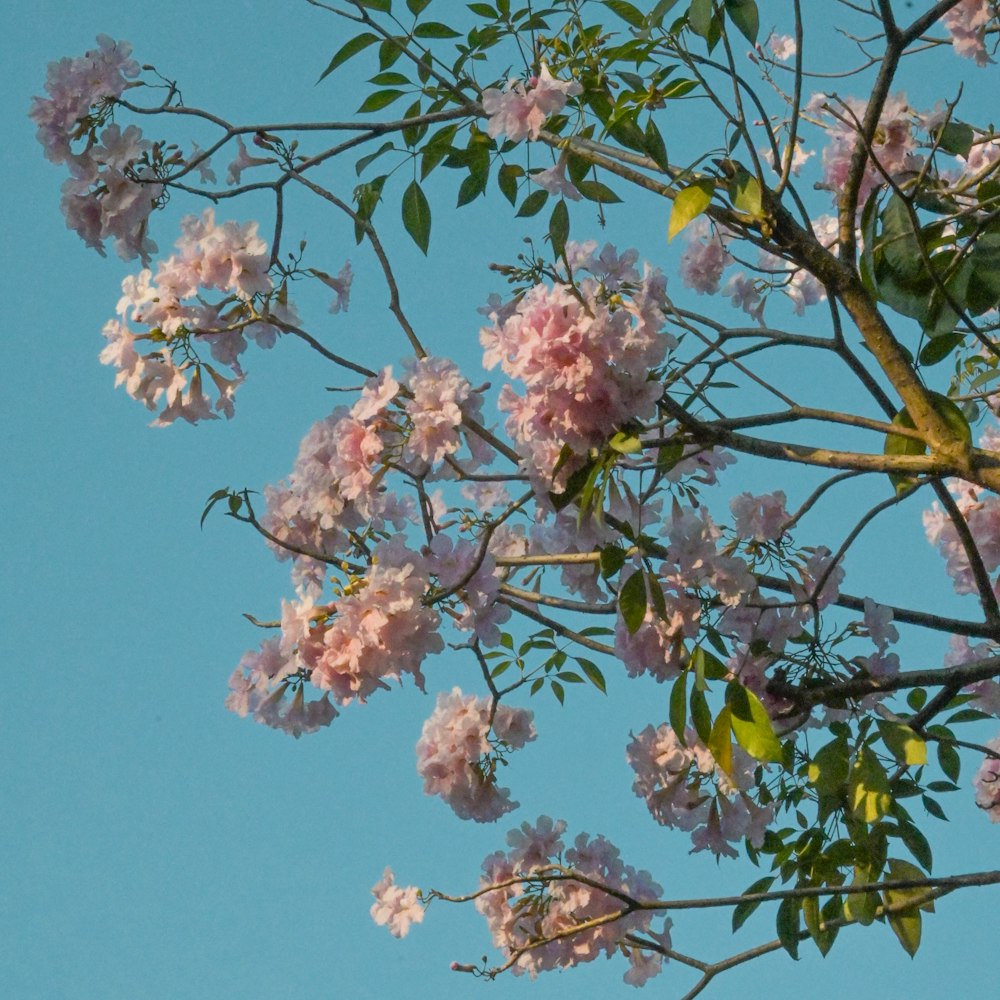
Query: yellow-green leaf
x=689, y=204
x=752, y=725
x=720, y=743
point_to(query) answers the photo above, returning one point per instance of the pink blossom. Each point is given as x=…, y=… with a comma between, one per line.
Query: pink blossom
x=584, y=364
x=457, y=760
x=555, y=181
x=380, y=631
x=987, y=783
x=782, y=47
x=966, y=22
x=243, y=161
x=557, y=907
x=893, y=145
x=705, y=258
x=341, y=286
x=518, y=113
x=761, y=518
x=684, y=788
x=396, y=907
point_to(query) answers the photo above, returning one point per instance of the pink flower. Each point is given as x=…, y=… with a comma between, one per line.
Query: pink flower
x=341, y=286
x=518, y=113
x=761, y=518
x=518, y=914
x=396, y=907
x=782, y=47
x=966, y=22
x=705, y=258
x=987, y=783
x=554, y=181
x=457, y=760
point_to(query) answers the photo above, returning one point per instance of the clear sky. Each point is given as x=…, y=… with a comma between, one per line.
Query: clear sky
x=156, y=846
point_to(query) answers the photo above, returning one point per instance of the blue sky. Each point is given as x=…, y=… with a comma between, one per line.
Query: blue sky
x=156, y=846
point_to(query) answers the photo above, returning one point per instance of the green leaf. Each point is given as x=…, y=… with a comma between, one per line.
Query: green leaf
x=906, y=924
x=720, y=742
x=627, y=12
x=632, y=601
x=830, y=768
x=533, y=204
x=742, y=911
x=365, y=161
x=484, y=10
x=752, y=725
x=379, y=100
x=593, y=674
x=689, y=204
x=903, y=743
x=655, y=146
x=507, y=178
x=861, y=906
x=558, y=691
x=417, y=7
x=612, y=560
x=210, y=503
x=435, y=29
x=950, y=760
x=869, y=787
x=917, y=844
x=655, y=17
x=678, y=707
x=938, y=348
x=417, y=215
x=744, y=191
x=349, y=49
x=385, y=6
x=787, y=925
x=596, y=191
x=701, y=715
x=743, y=13
x=956, y=138
x=472, y=187
x=559, y=227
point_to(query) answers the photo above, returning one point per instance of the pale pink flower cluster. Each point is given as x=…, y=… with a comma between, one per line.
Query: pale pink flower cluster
x=987, y=783
x=705, y=257
x=584, y=360
x=685, y=788
x=893, y=145
x=881, y=631
x=457, y=760
x=966, y=22
x=760, y=518
x=379, y=632
x=520, y=113
x=441, y=396
x=335, y=485
x=981, y=510
x=782, y=47
x=396, y=906
x=453, y=562
x=694, y=562
x=260, y=685
x=230, y=258
x=987, y=692
x=519, y=915
x=106, y=197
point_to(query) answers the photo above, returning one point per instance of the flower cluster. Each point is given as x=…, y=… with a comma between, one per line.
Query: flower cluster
x=584, y=354
x=966, y=22
x=987, y=783
x=892, y=149
x=457, y=759
x=531, y=919
x=685, y=788
x=520, y=113
x=110, y=193
x=981, y=511
x=396, y=907
x=227, y=257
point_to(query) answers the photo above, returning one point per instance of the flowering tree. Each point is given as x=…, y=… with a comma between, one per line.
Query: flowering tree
x=585, y=535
